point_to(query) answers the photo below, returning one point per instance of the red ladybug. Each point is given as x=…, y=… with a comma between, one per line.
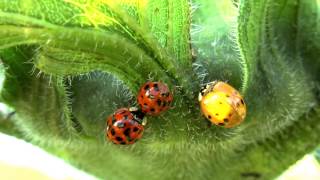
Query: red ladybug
x=125, y=126
x=154, y=98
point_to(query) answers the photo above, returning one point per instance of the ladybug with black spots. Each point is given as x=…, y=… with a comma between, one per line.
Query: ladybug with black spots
x=154, y=98
x=222, y=104
x=125, y=126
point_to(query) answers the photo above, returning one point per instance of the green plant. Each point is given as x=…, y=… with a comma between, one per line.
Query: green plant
x=68, y=64
x=317, y=154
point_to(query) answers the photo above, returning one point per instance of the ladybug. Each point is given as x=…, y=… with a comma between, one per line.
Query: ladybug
x=154, y=98
x=222, y=104
x=125, y=126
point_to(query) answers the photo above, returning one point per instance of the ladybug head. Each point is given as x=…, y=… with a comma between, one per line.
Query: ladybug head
x=138, y=115
x=205, y=89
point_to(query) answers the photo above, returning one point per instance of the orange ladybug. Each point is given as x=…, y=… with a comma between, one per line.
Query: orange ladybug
x=222, y=104
x=125, y=126
x=154, y=98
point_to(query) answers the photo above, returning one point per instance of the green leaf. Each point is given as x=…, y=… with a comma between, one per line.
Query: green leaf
x=106, y=94
x=40, y=104
x=215, y=49
x=106, y=46
x=317, y=154
x=7, y=117
x=274, y=70
x=92, y=56
x=308, y=44
x=103, y=17
x=170, y=22
x=268, y=159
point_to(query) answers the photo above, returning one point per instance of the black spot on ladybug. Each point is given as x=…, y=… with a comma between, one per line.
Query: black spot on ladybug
x=146, y=87
x=230, y=115
x=221, y=124
x=226, y=120
x=125, y=117
x=127, y=132
x=227, y=96
x=152, y=110
x=209, y=117
x=141, y=96
x=113, y=132
x=238, y=104
x=242, y=101
x=155, y=86
x=135, y=129
x=217, y=114
x=220, y=102
x=159, y=102
x=145, y=104
x=119, y=138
